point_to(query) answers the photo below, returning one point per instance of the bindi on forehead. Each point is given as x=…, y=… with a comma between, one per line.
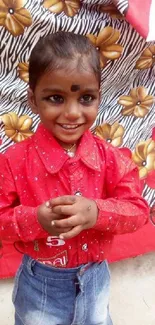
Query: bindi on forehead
x=75, y=88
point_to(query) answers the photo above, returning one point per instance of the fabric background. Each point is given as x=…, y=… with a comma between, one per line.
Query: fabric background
x=127, y=111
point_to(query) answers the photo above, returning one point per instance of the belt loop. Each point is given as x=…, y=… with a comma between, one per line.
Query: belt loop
x=30, y=265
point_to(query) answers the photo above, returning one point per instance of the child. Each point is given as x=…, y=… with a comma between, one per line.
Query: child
x=64, y=193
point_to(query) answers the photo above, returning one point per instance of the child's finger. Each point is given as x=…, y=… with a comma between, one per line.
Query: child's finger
x=63, y=200
x=67, y=210
x=72, y=233
x=65, y=223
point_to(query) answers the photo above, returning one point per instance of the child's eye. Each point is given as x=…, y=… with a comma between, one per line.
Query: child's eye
x=58, y=99
x=86, y=99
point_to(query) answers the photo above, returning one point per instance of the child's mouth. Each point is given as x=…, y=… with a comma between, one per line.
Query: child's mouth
x=69, y=126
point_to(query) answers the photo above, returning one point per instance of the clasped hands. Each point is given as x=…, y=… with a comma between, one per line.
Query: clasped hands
x=66, y=216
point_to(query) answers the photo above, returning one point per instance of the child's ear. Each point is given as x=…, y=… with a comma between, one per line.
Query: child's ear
x=31, y=101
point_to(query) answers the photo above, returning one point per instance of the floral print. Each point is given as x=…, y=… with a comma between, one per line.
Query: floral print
x=17, y=128
x=137, y=103
x=147, y=59
x=112, y=11
x=105, y=42
x=69, y=7
x=23, y=71
x=144, y=157
x=14, y=17
x=111, y=133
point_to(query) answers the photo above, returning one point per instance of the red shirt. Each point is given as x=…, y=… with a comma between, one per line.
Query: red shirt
x=38, y=169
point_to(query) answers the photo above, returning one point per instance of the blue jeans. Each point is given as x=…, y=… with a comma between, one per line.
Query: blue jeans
x=44, y=295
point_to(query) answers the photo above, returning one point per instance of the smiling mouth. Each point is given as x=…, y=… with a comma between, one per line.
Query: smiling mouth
x=70, y=126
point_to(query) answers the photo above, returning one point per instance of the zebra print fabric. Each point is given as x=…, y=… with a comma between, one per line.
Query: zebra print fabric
x=119, y=76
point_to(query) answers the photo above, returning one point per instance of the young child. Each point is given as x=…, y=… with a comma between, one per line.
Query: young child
x=64, y=193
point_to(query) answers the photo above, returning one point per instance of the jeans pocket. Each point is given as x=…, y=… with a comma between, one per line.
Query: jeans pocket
x=15, y=289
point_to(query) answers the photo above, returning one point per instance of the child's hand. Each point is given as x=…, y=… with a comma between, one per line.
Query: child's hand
x=46, y=216
x=81, y=214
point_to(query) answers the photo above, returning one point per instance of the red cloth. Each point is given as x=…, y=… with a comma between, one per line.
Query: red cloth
x=138, y=14
x=39, y=168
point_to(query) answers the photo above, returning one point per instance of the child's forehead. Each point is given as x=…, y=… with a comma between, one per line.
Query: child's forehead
x=73, y=78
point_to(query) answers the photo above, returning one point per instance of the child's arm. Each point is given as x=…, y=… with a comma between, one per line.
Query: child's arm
x=123, y=211
x=19, y=222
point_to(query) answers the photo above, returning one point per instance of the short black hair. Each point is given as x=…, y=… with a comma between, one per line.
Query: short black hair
x=54, y=50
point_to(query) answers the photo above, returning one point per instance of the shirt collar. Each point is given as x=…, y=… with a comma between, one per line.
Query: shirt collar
x=54, y=156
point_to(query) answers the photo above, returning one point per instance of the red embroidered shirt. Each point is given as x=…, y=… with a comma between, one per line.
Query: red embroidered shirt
x=37, y=169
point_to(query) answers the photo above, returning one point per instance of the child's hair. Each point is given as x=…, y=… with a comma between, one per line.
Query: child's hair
x=53, y=51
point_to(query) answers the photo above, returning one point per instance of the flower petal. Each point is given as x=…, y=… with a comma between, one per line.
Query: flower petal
x=141, y=151
x=107, y=36
x=152, y=49
x=150, y=146
x=103, y=131
x=143, y=172
x=149, y=100
x=71, y=7
x=126, y=101
x=140, y=111
x=19, y=3
x=10, y=133
x=127, y=111
x=117, y=132
x=141, y=93
x=23, y=71
x=136, y=159
x=3, y=6
x=117, y=142
x=103, y=61
x=23, y=16
x=10, y=120
x=150, y=161
x=112, y=11
x=92, y=38
x=13, y=26
x=144, y=63
x=2, y=21
x=134, y=95
x=55, y=6
x=24, y=123
x=112, y=52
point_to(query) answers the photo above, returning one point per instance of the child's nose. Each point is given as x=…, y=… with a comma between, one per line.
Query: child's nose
x=72, y=112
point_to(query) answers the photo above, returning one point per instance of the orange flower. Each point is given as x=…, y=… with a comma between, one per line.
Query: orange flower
x=17, y=128
x=105, y=43
x=111, y=133
x=138, y=103
x=70, y=7
x=23, y=71
x=144, y=157
x=147, y=59
x=14, y=17
x=112, y=11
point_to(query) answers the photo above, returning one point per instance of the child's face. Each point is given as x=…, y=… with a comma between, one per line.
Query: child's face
x=67, y=102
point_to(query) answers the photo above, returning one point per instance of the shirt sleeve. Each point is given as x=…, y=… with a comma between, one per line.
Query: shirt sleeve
x=17, y=222
x=124, y=210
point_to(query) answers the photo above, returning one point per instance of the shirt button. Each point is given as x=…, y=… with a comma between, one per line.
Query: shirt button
x=85, y=247
x=78, y=193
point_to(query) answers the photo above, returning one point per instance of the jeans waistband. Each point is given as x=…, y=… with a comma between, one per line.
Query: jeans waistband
x=35, y=267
